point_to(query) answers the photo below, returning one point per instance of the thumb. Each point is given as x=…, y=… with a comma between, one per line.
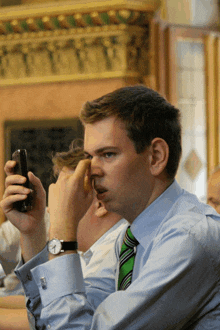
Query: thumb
x=37, y=185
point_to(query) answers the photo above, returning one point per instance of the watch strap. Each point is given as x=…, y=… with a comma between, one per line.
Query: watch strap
x=69, y=246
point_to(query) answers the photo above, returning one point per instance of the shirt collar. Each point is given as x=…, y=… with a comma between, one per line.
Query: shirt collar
x=88, y=254
x=145, y=225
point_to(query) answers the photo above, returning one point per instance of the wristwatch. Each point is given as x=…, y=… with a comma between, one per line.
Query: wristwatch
x=56, y=246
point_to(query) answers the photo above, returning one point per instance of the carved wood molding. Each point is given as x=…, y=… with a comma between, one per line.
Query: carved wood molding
x=116, y=51
x=74, y=41
x=54, y=9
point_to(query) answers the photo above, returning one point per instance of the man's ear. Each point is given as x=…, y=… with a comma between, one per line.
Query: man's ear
x=159, y=155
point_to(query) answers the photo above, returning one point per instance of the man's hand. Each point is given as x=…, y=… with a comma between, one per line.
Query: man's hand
x=30, y=224
x=69, y=199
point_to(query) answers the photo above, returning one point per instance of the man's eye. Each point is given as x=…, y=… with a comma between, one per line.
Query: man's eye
x=88, y=157
x=108, y=154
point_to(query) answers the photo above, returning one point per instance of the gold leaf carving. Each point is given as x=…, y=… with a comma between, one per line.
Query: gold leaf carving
x=73, y=52
x=32, y=24
x=3, y=29
x=63, y=22
x=16, y=26
x=79, y=20
x=96, y=19
x=47, y=23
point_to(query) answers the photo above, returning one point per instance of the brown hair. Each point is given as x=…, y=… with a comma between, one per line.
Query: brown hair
x=146, y=115
x=68, y=158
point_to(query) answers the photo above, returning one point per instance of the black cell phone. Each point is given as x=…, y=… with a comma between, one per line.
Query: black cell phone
x=20, y=156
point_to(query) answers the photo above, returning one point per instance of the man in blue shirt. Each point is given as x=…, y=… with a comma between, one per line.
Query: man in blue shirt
x=133, y=146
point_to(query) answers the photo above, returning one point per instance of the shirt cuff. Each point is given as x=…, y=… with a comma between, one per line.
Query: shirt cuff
x=59, y=277
x=2, y=272
x=23, y=272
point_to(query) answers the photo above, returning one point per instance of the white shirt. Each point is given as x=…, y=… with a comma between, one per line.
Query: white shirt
x=93, y=257
x=9, y=257
x=9, y=246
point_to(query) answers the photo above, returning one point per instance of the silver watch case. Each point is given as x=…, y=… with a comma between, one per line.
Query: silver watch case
x=54, y=246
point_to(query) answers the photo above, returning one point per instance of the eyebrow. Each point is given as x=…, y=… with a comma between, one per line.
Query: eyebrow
x=101, y=150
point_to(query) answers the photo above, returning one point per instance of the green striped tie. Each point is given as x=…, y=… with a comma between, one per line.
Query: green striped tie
x=126, y=260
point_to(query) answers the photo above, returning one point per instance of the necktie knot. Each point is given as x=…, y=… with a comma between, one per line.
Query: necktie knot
x=129, y=239
x=126, y=260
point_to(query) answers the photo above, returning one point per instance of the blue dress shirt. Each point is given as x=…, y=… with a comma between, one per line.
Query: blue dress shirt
x=176, y=278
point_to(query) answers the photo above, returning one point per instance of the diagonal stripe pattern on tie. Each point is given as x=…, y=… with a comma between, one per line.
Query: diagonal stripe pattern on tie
x=126, y=260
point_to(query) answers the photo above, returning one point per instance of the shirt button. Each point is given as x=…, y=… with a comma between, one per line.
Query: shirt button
x=43, y=283
x=29, y=277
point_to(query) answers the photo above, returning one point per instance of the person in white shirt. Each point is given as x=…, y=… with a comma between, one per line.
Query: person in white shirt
x=9, y=257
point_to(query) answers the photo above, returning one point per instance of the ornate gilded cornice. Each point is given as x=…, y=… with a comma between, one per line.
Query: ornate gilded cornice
x=54, y=9
x=73, y=41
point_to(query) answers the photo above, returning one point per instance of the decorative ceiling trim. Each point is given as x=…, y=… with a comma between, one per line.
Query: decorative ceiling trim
x=94, y=9
x=74, y=54
x=74, y=20
x=72, y=41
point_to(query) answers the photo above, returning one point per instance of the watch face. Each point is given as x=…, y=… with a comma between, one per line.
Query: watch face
x=54, y=246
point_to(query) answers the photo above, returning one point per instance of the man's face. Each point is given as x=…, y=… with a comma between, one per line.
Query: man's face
x=214, y=191
x=122, y=178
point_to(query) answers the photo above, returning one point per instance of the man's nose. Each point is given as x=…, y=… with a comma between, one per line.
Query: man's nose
x=96, y=167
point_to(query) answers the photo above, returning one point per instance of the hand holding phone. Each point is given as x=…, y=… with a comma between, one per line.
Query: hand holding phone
x=20, y=156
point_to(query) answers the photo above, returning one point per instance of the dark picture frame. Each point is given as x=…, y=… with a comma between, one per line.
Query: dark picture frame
x=42, y=139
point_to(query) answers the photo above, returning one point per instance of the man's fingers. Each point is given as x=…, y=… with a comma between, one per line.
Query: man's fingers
x=82, y=172
x=81, y=175
x=37, y=185
x=66, y=171
x=88, y=184
x=82, y=167
x=14, y=179
x=9, y=167
x=51, y=188
x=13, y=198
x=15, y=189
x=7, y=203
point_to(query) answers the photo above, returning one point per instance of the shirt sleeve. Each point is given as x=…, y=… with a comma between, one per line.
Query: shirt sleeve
x=175, y=282
x=33, y=299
